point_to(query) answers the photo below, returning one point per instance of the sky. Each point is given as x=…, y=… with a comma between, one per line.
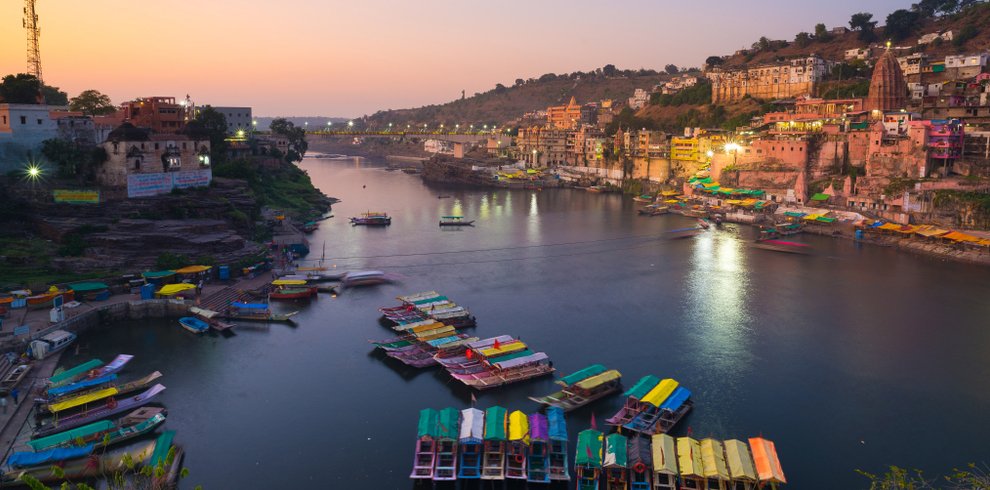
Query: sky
x=347, y=58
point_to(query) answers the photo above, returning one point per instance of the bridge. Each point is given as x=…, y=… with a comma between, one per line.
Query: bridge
x=452, y=136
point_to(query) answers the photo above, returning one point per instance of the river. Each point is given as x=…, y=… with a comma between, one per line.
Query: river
x=856, y=358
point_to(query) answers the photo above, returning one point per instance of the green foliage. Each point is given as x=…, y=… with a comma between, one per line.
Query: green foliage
x=851, y=69
x=296, y=136
x=211, y=124
x=699, y=94
x=901, y=24
x=671, y=69
x=54, y=96
x=864, y=23
x=713, y=61
x=973, y=477
x=72, y=160
x=821, y=33
x=968, y=32
x=858, y=89
x=897, y=186
x=92, y=103
x=20, y=89
x=803, y=39
x=627, y=119
x=979, y=200
x=171, y=261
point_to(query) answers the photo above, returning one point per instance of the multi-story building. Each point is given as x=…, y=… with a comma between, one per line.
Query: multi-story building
x=23, y=128
x=639, y=99
x=786, y=79
x=858, y=54
x=564, y=116
x=132, y=150
x=160, y=114
x=913, y=64
x=546, y=147
x=238, y=119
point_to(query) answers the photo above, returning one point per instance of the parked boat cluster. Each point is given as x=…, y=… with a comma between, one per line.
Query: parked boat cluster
x=74, y=424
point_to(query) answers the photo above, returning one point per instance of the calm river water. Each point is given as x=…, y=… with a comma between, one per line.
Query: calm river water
x=858, y=357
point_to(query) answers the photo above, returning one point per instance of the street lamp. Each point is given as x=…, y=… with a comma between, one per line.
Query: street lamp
x=350, y=124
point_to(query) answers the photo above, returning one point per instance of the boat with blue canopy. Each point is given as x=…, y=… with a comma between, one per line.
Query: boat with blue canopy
x=69, y=389
x=662, y=408
x=27, y=459
x=557, y=428
x=73, y=373
x=633, y=404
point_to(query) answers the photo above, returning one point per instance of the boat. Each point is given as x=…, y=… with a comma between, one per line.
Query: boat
x=112, y=367
x=372, y=219
x=50, y=457
x=633, y=404
x=640, y=461
x=689, y=463
x=455, y=221
x=258, y=312
x=643, y=198
x=74, y=373
x=426, y=445
x=493, y=457
x=768, y=469
x=588, y=459
x=510, y=371
x=654, y=210
x=86, y=398
x=444, y=196
x=583, y=387
x=293, y=293
x=518, y=447
x=664, y=462
x=714, y=469
x=595, y=188
x=615, y=464
x=51, y=343
x=448, y=428
x=56, y=392
x=364, y=278
x=86, y=467
x=742, y=471
x=682, y=233
x=471, y=440
x=661, y=408
x=211, y=317
x=47, y=299
x=14, y=378
x=412, y=171
x=310, y=226
x=113, y=407
x=538, y=459
x=703, y=224
x=557, y=428
x=193, y=324
x=105, y=433
x=784, y=246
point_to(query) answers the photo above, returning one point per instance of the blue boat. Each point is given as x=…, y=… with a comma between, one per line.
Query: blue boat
x=27, y=459
x=193, y=324
x=471, y=441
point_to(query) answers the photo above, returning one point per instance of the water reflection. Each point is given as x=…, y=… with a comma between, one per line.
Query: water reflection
x=484, y=209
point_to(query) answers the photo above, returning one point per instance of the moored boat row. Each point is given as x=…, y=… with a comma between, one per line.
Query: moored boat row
x=583, y=387
x=495, y=362
x=653, y=406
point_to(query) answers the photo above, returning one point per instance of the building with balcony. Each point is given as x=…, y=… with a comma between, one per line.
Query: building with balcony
x=160, y=114
x=132, y=150
x=786, y=79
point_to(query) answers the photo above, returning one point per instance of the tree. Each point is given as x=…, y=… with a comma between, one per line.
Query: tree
x=864, y=23
x=548, y=77
x=54, y=96
x=295, y=135
x=672, y=69
x=92, y=103
x=72, y=160
x=608, y=70
x=519, y=81
x=212, y=124
x=901, y=24
x=762, y=45
x=20, y=89
x=713, y=61
x=803, y=39
x=822, y=34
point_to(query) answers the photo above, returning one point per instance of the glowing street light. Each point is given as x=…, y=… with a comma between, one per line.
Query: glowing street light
x=350, y=124
x=33, y=172
x=710, y=153
x=240, y=133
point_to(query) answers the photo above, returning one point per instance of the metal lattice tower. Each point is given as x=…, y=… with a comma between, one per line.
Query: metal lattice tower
x=33, y=37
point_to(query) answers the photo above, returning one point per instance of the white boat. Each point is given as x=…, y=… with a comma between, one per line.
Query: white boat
x=51, y=343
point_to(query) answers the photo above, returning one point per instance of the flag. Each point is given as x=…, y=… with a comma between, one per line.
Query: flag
x=469, y=354
x=689, y=431
x=594, y=425
x=473, y=400
x=497, y=345
x=588, y=449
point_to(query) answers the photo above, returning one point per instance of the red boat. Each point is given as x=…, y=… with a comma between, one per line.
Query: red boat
x=293, y=293
x=46, y=300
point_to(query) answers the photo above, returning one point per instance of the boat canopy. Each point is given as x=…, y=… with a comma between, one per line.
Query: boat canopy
x=713, y=460
x=86, y=383
x=495, y=424
x=249, y=306
x=481, y=344
x=26, y=459
x=615, y=451
x=472, y=425
x=596, y=381
x=162, y=446
x=538, y=427
x=557, y=423
x=767, y=465
x=664, y=457
x=452, y=217
x=589, y=449
x=740, y=461
x=522, y=361
x=70, y=373
x=502, y=349
x=660, y=392
x=677, y=399
x=72, y=434
x=193, y=269
x=412, y=297
x=519, y=427
x=88, y=287
x=592, y=370
x=794, y=214
x=82, y=400
x=170, y=289
x=288, y=282
x=639, y=451
x=157, y=274
x=448, y=423
x=689, y=457
x=428, y=418
x=435, y=299
x=115, y=365
x=642, y=387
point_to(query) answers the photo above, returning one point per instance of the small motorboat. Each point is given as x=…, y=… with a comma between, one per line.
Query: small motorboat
x=193, y=324
x=455, y=221
x=654, y=210
x=372, y=219
x=702, y=223
x=364, y=278
x=444, y=197
x=643, y=198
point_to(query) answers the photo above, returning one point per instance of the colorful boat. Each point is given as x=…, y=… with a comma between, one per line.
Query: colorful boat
x=372, y=219
x=784, y=246
x=615, y=465
x=293, y=293
x=633, y=405
x=50, y=344
x=50, y=457
x=661, y=408
x=768, y=467
x=193, y=324
x=643, y=198
x=742, y=471
x=74, y=373
x=493, y=458
x=518, y=448
x=364, y=278
x=640, y=461
x=588, y=459
x=86, y=467
x=448, y=428
x=654, y=210
x=471, y=440
x=14, y=378
x=426, y=445
x=689, y=463
x=258, y=312
x=557, y=427
x=85, y=398
x=713, y=464
x=113, y=407
x=664, y=462
x=538, y=459
x=105, y=433
x=455, y=221
x=47, y=299
x=583, y=387
x=114, y=366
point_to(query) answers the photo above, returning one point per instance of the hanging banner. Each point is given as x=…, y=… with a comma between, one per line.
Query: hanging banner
x=194, y=178
x=70, y=196
x=143, y=185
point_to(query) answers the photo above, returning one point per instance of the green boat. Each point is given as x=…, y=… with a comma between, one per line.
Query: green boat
x=105, y=433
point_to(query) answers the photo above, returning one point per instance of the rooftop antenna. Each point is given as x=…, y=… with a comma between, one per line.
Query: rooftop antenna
x=33, y=36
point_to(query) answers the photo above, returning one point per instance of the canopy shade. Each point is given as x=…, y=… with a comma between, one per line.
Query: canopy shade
x=70, y=435
x=615, y=451
x=820, y=197
x=170, y=289
x=642, y=387
x=558, y=426
x=472, y=424
x=592, y=370
x=676, y=399
x=193, y=269
x=448, y=423
x=72, y=372
x=595, y=381
x=288, y=282
x=250, y=306
x=664, y=457
x=518, y=427
x=157, y=274
x=495, y=424
x=660, y=392
x=538, y=427
x=689, y=457
x=740, y=461
x=427, y=426
x=713, y=460
x=589, y=449
x=765, y=456
x=85, y=287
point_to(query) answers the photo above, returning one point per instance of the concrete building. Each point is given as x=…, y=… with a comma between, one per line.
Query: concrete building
x=564, y=116
x=132, y=150
x=238, y=119
x=785, y=79
x=639, y=99
x=160, y=114
x=23, y=128
x=858, y=54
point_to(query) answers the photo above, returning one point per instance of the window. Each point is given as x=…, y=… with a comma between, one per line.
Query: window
x=156, y=146
x=137, y=164
x=24, y=120
x=39, y=121
x=5, y=120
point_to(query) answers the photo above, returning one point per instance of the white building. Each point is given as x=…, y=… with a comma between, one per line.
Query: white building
x=23, y=127
x=912, y=64
x=966, y=60
x=857, y=54
x=238, y=118
x=639, y=99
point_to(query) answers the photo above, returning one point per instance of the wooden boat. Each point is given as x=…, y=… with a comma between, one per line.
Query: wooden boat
x=506, y=372
x=595, y=188
x=87, y=467
x=193, y=324
x=364, y=278
x=426, y=445
x=211, y=317
x=784, y=246
x=661, y=408
x=51, y=457
x=643, y=198
x=538, y=459
x=83, y=399
x=448, y=428
x=583, y=387
x=112, y=367
x=111, y=408
x=256, y=312
x=455, y=221
x=105, y=433
x=633, y=404
x=714, y=469
x=742, y=470
x=689, y=463
x=14, y=378
x=588, y=459
x=293, y=293
x=47, y=299
x=653, y=210
x=518, y=448
x=51, y=343
x=471, y=440
x=768, y=467
x=615, y=464
x=640, y=461
x=557, y=428
x=74, y=373
x=73, y=389
x=493, y=457
x=664, y=462
x=682, y=233
x=372, y=219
